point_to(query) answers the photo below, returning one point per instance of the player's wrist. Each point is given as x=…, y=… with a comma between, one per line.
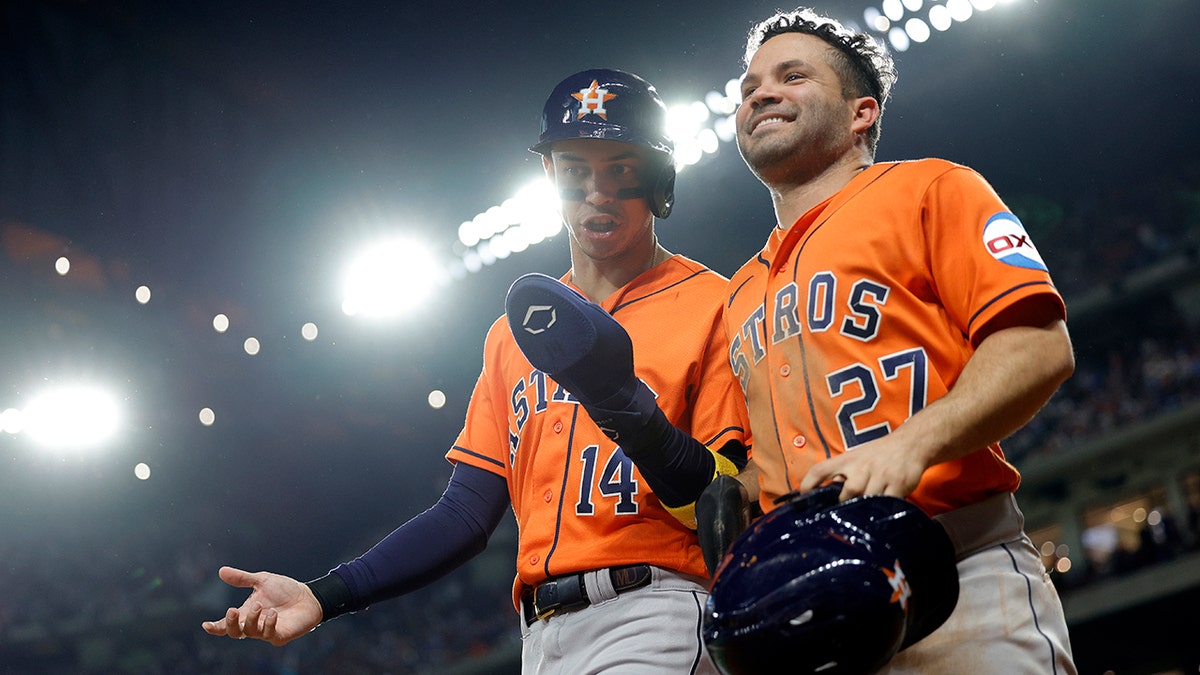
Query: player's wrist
x=629, y=417
x=333, y=595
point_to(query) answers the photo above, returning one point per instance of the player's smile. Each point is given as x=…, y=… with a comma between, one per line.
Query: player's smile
x=768, y=119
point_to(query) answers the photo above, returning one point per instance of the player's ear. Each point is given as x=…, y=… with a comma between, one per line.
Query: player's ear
x=866, y=112
x=548, y=167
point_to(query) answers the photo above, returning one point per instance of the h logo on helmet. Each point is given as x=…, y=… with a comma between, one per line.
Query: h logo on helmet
x=592, y=100
x=900, y=588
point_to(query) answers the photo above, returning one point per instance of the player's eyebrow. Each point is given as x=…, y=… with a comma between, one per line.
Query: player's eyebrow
x=619, y=157
x=782, y=66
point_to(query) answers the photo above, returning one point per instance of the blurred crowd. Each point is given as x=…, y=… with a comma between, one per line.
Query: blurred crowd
x=1127, y=385
x=103, y=612
x=98, y=613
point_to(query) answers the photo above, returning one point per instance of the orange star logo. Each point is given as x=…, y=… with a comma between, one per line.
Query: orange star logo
x=901, y=591
x=592, y=101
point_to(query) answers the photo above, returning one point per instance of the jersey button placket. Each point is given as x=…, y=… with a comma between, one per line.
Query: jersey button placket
x=799, y=441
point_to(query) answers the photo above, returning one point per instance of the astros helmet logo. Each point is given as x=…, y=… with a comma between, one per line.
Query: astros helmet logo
x=592, y=100
x=1007, y=241
x=901, y=591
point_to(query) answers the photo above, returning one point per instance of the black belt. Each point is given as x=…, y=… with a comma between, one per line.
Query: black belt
x=566, y=593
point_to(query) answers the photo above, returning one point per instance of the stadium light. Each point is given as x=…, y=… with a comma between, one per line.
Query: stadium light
x=390, y=279
x=72, y=417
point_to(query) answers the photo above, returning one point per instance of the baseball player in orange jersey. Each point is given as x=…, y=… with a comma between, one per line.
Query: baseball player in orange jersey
x=607, y=553
x=897, y=324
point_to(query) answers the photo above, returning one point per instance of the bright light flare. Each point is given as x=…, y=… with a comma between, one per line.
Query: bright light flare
x=11, y=421
x=528, y=218
x=390, y=279
x=684, y=123
x=939, y=17
x=960, y=10
x=72, y=417
x=917, y=29
x=437, y=399
x=899, y=39
x=894, y=9
x=876, y=20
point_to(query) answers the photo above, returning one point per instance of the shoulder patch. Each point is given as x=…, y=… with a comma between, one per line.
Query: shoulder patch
x=1007, y=241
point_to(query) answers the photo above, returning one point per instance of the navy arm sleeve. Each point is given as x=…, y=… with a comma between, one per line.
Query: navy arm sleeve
x=422, y=550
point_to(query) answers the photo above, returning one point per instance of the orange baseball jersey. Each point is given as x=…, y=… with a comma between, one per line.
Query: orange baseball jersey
x=864, y=311
x=579, y=501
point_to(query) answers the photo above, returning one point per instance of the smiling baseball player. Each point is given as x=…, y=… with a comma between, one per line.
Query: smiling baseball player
x=896, y=325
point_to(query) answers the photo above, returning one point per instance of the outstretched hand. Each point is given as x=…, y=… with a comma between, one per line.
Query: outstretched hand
x=279, y=609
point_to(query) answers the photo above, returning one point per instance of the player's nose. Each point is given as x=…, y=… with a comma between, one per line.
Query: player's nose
x=765, y=93
x=598, y=190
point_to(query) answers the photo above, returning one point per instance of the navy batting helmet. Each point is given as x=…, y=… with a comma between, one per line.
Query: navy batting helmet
x=827, y=587
x=617, y=106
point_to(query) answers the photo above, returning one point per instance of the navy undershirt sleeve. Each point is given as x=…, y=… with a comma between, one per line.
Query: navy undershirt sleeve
x=677, y=466
x=422, y=550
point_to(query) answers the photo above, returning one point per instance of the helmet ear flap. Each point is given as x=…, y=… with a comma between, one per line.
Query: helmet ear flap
x=662, y=193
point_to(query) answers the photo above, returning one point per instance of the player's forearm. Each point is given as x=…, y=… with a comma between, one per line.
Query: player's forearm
x=424, y=549
x=1010, y=377
x=677, y=466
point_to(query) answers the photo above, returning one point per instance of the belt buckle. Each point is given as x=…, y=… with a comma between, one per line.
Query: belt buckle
x=542, y=614
x=562, y=594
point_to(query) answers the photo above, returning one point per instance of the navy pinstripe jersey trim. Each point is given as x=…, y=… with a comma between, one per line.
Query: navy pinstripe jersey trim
x=739, y=290
x=562, y=491
x=727, y=430
x=996, y=299
x=664, y=288
x=476, y=455
x=808, y=393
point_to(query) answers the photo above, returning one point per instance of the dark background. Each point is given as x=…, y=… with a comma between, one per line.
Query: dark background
x=231, y=156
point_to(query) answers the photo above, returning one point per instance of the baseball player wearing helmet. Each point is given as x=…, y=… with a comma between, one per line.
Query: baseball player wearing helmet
x=606, y=558
x=897, y=324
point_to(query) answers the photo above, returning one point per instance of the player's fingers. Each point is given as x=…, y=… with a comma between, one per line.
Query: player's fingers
x=894, y=489
x=235, y=577
x=815, y=477
x=214, y=627
x=852, y=487
x=251, y=621
x=233, y=623
x=270, y=621
x=821, y=474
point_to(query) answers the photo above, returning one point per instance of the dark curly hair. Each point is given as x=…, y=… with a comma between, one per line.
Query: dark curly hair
x=861, y=63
